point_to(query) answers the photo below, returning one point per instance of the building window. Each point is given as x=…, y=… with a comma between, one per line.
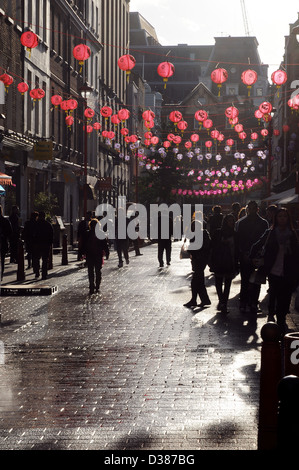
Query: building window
x=259, y=92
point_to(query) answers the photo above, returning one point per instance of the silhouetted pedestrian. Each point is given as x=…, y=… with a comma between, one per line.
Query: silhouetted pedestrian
x=281, y=265
x=43, y=239
x=94, y=250
x=223, y=259
x=200, y=259
x=165, y=232
x=28, y=236
x=215, y=220
x=5, y=237
x=81, y=234
x=121, y=237
x=249, y=229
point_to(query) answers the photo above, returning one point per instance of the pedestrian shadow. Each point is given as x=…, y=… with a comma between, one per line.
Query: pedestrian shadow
x=137, y=441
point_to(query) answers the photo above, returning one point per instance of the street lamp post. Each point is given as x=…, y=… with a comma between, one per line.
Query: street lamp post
x=85, y=92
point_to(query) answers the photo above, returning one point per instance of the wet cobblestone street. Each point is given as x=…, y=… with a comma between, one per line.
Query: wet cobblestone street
x=130, y=368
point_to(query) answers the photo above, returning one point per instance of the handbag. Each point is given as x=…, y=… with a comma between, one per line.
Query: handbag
x=258, y=260
x=184, y=254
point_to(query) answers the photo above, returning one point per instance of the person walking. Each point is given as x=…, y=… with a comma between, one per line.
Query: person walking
x=165, y=232
x=249, y=229
x=16, y=232
x=215, y=220
x=81, y=233
x=28, y=236
x=5, y=237
x=42, y=241
x=121, y=241
x=223, y=260
x=199, y=259
x=94, y=250
x=281, y=265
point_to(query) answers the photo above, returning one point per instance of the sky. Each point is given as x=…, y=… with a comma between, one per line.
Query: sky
x=198, y=22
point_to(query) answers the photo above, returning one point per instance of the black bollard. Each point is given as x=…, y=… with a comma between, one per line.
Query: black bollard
x=288, y=414
x=21, y=261
x=270, y=376
x=64, y=260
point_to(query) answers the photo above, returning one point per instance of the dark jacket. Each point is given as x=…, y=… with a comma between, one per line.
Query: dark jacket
x=224, y=256
x=291, y=257
x=200, y=257
x=249, y=230
x=95, y=247
x=43, y=235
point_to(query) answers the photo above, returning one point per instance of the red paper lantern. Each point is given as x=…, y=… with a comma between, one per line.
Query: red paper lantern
x=230, y=142
x=285, y=128
x=188, y=144
x=123, y=114
x=127, y=63
x=148, y=115
x=154, y=140
x=265, y=108
x=264, y=132
x=105, y=134
x=97, y=126
x=254, y=136
x=220, y=138
x=194, y=138
x=165, y=70
x=149, y=124
x=23, y=87
x=170, y=137
x=166, y=144
x=258, y=114
x=115, y=119
x=106, y=111
x=279, y=78
x=81, y=52
x=69, y=121
x=276, y=132
x=111, y=135
x=175, y=116
x=56, y=100
x=182, y=125
x=177, y=140
x=239, y=128
x=89, y=129
x=124, y=131
x=64, y=105
x=89, y=113
x=219, y=76
x=201, y=116
x=37, y=94
x=29, y=40
x=72, y=104
x=215, y=134
x=249, y=77
x=243, y=135
x=7, y=80
x=231, y=112
x=208, y=143
x=208, y=123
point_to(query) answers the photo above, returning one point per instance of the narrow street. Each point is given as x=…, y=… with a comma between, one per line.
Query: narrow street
x=130, y=368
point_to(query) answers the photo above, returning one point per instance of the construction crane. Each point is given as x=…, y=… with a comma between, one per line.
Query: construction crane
x=245, y=17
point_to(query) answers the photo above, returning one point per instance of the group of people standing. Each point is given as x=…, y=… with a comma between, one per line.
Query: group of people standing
x=37, y=235
x=244, y=242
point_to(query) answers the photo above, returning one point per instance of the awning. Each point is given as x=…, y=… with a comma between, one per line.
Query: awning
x=276, y=197
x=2, y=191
x=290, y=200
x=5, y=179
